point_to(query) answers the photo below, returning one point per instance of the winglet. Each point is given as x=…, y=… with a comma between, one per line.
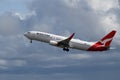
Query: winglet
x=69, y=38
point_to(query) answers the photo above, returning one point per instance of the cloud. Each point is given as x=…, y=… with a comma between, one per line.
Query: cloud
x=103, y=5
x=75, y=15
x=91, y=20
x=80, y=56
x=6, y=64
x=8, y=23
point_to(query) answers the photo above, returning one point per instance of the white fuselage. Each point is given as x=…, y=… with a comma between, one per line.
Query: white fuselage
x=48, y=38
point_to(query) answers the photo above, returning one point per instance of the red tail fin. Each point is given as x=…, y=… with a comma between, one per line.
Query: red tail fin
x=106, y=41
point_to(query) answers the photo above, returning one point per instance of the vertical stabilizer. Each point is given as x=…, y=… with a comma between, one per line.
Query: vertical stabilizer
x=104, y=43
x=106, y=40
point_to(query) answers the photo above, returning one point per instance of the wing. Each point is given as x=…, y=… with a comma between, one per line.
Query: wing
x=65, y=43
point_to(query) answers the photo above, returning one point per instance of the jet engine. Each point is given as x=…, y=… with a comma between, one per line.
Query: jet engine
x=54, y=43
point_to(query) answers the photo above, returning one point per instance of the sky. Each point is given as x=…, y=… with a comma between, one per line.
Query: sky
x=89, y=19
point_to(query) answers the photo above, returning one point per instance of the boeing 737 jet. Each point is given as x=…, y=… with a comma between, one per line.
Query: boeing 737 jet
x=69, y=42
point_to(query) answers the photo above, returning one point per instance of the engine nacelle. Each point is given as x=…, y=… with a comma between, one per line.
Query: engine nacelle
x=54, y=43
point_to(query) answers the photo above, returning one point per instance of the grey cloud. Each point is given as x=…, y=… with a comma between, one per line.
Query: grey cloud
x=86, y=76
x=58, y=16
x=9, y=24
x=54, y=18
x=19, y=57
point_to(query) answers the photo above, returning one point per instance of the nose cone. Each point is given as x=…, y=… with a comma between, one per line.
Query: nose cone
x=25, y=34
x=28, y=34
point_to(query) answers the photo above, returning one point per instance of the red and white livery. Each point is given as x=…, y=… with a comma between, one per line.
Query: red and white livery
x=69, y=42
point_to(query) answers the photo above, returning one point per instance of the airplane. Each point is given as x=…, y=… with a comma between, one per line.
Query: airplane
x=68, y=42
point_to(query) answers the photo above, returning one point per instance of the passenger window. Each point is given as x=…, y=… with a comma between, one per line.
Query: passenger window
x=37, y=33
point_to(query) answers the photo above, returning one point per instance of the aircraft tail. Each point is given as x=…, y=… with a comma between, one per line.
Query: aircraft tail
x=106, y=40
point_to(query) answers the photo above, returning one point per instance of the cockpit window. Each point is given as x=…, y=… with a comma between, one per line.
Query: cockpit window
x=28, y=32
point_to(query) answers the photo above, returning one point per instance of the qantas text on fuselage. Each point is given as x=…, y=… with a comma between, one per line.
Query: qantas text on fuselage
x=69, y=42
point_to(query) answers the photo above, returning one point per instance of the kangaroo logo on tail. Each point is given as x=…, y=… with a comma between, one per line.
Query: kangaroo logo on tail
x=105, y=41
